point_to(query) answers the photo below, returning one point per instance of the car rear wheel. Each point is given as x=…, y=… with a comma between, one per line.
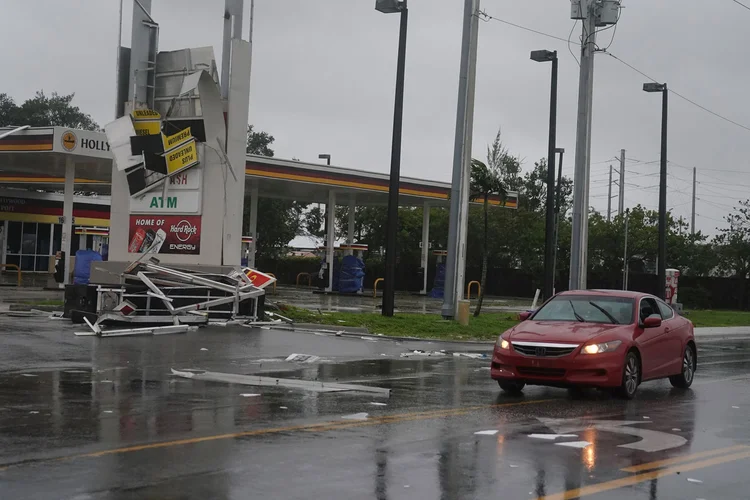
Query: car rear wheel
x=685, y=378
x=631, y=376
x=511, y=386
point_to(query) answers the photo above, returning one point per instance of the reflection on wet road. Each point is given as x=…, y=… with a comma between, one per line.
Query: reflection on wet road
x=84, y=418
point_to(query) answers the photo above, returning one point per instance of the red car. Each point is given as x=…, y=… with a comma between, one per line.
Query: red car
x=606, y=339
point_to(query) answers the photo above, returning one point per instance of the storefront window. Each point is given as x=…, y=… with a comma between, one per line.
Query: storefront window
x=14, y=238
x=28, y=242
x=42, y=239
x=28, y=245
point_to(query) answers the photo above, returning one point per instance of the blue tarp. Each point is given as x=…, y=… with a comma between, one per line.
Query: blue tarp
x=351, y=274
x=438, y=286
x=82, y=270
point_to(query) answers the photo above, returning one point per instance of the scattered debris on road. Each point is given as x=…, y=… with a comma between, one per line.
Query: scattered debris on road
x=356, y=416
x=255, y=380
x=303, y=358
x=552, y=437
x=486, y=433
x=575, y=444
x=691, y=480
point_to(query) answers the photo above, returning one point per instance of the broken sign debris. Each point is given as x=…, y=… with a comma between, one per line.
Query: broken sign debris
x=303, y=358
x=486, y=433
x=255, y=380
x=574, y=444
x=356, y=416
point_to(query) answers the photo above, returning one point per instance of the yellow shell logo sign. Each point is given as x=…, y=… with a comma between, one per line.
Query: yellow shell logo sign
x=69, y=141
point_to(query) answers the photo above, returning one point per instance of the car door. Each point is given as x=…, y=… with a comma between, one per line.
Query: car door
x=650, y=341
x=672, y=339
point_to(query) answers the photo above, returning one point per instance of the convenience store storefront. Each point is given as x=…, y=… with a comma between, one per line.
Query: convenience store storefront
x=31, y=227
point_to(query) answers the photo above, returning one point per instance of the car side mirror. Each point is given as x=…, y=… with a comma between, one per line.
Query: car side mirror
x=524, y=316
x=652, y=322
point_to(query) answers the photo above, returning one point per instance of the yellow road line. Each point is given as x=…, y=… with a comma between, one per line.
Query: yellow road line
x=684, y=458
x=646, y=476
x=320, y=427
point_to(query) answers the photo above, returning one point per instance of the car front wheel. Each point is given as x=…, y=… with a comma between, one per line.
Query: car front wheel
x=685, y=378
x=631, y=376
x=511, y=386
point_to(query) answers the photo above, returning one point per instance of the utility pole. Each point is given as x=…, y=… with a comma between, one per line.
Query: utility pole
x=625, y=256
x=579, y=237
x=692, y=216
x=609, y=196
x=621, y=200
x=459, y=212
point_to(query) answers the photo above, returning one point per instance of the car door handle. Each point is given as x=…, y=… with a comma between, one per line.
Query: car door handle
x=666, y=330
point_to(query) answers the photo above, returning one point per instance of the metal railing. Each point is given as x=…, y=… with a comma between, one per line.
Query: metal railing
x=309, y=279
x=375, y=287
x=468, y=289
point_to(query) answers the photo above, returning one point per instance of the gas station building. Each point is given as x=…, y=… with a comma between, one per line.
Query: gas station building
x=57, y=181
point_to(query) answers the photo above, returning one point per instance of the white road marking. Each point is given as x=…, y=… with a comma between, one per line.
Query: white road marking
x=651, y=441
x=356, y=416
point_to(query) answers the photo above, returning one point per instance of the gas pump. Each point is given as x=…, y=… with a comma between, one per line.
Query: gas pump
x=670, y=291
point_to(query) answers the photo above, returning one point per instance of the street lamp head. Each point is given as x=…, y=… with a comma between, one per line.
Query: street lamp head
x=324, y=156
x=543, y=55
x=559, y=150
x=654, y=87
x=390, y=6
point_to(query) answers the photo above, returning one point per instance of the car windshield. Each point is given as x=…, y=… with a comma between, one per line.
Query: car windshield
x=587, y=308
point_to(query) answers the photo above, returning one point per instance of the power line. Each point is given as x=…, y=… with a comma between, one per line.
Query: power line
x=741, y=4
x=680, y=95
x=491, y=18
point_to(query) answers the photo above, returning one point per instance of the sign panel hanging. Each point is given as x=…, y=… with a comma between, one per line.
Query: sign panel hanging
x=182, y=158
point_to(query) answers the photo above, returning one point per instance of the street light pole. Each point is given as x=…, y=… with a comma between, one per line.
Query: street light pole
x=549, y=248
x=389, y=288
x=558, y=203
x=662, y=254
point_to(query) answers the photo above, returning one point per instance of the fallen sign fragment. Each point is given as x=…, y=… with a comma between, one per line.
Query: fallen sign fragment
x=255, y=380
x=303, y=358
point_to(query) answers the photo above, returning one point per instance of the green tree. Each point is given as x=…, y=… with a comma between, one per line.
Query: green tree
x=734, y=242
x=45, y=111
x=485, y=182
x=259, y=143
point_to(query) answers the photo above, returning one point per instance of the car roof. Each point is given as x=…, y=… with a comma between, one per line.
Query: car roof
x=607, y=293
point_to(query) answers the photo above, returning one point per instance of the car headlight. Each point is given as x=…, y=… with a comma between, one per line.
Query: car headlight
x=502, y=343
x=603, y=347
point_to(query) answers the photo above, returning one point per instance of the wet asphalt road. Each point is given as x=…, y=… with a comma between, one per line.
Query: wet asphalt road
x=88, y=418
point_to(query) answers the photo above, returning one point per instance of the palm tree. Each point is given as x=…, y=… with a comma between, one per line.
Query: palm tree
x=485, y=182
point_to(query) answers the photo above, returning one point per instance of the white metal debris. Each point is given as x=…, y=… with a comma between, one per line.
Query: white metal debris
x=473, y=355
x=418, y=352
x=575, y=444
x=378, y=404
x=28, y=375
x=691, y=480
x=356, y=416
x=303, y=358
x=247, y=395
x=486, y=433
x=552, y=437
x=255, y=380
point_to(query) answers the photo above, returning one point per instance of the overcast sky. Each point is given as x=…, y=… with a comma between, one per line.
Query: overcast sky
x=324, y=74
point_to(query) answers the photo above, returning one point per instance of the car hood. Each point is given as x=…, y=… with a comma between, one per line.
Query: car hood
x=561, y=331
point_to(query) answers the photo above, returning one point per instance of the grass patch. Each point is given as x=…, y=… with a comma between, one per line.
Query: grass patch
x=710, y=318
x=428, y=326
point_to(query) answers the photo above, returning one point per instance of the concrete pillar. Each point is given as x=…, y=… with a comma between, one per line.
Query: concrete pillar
x=253, y=226
x=350, y=231
x=330, y=236
x=425, y=244
x=67, y=226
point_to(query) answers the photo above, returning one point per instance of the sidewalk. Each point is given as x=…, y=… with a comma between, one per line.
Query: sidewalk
x=716, y=334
